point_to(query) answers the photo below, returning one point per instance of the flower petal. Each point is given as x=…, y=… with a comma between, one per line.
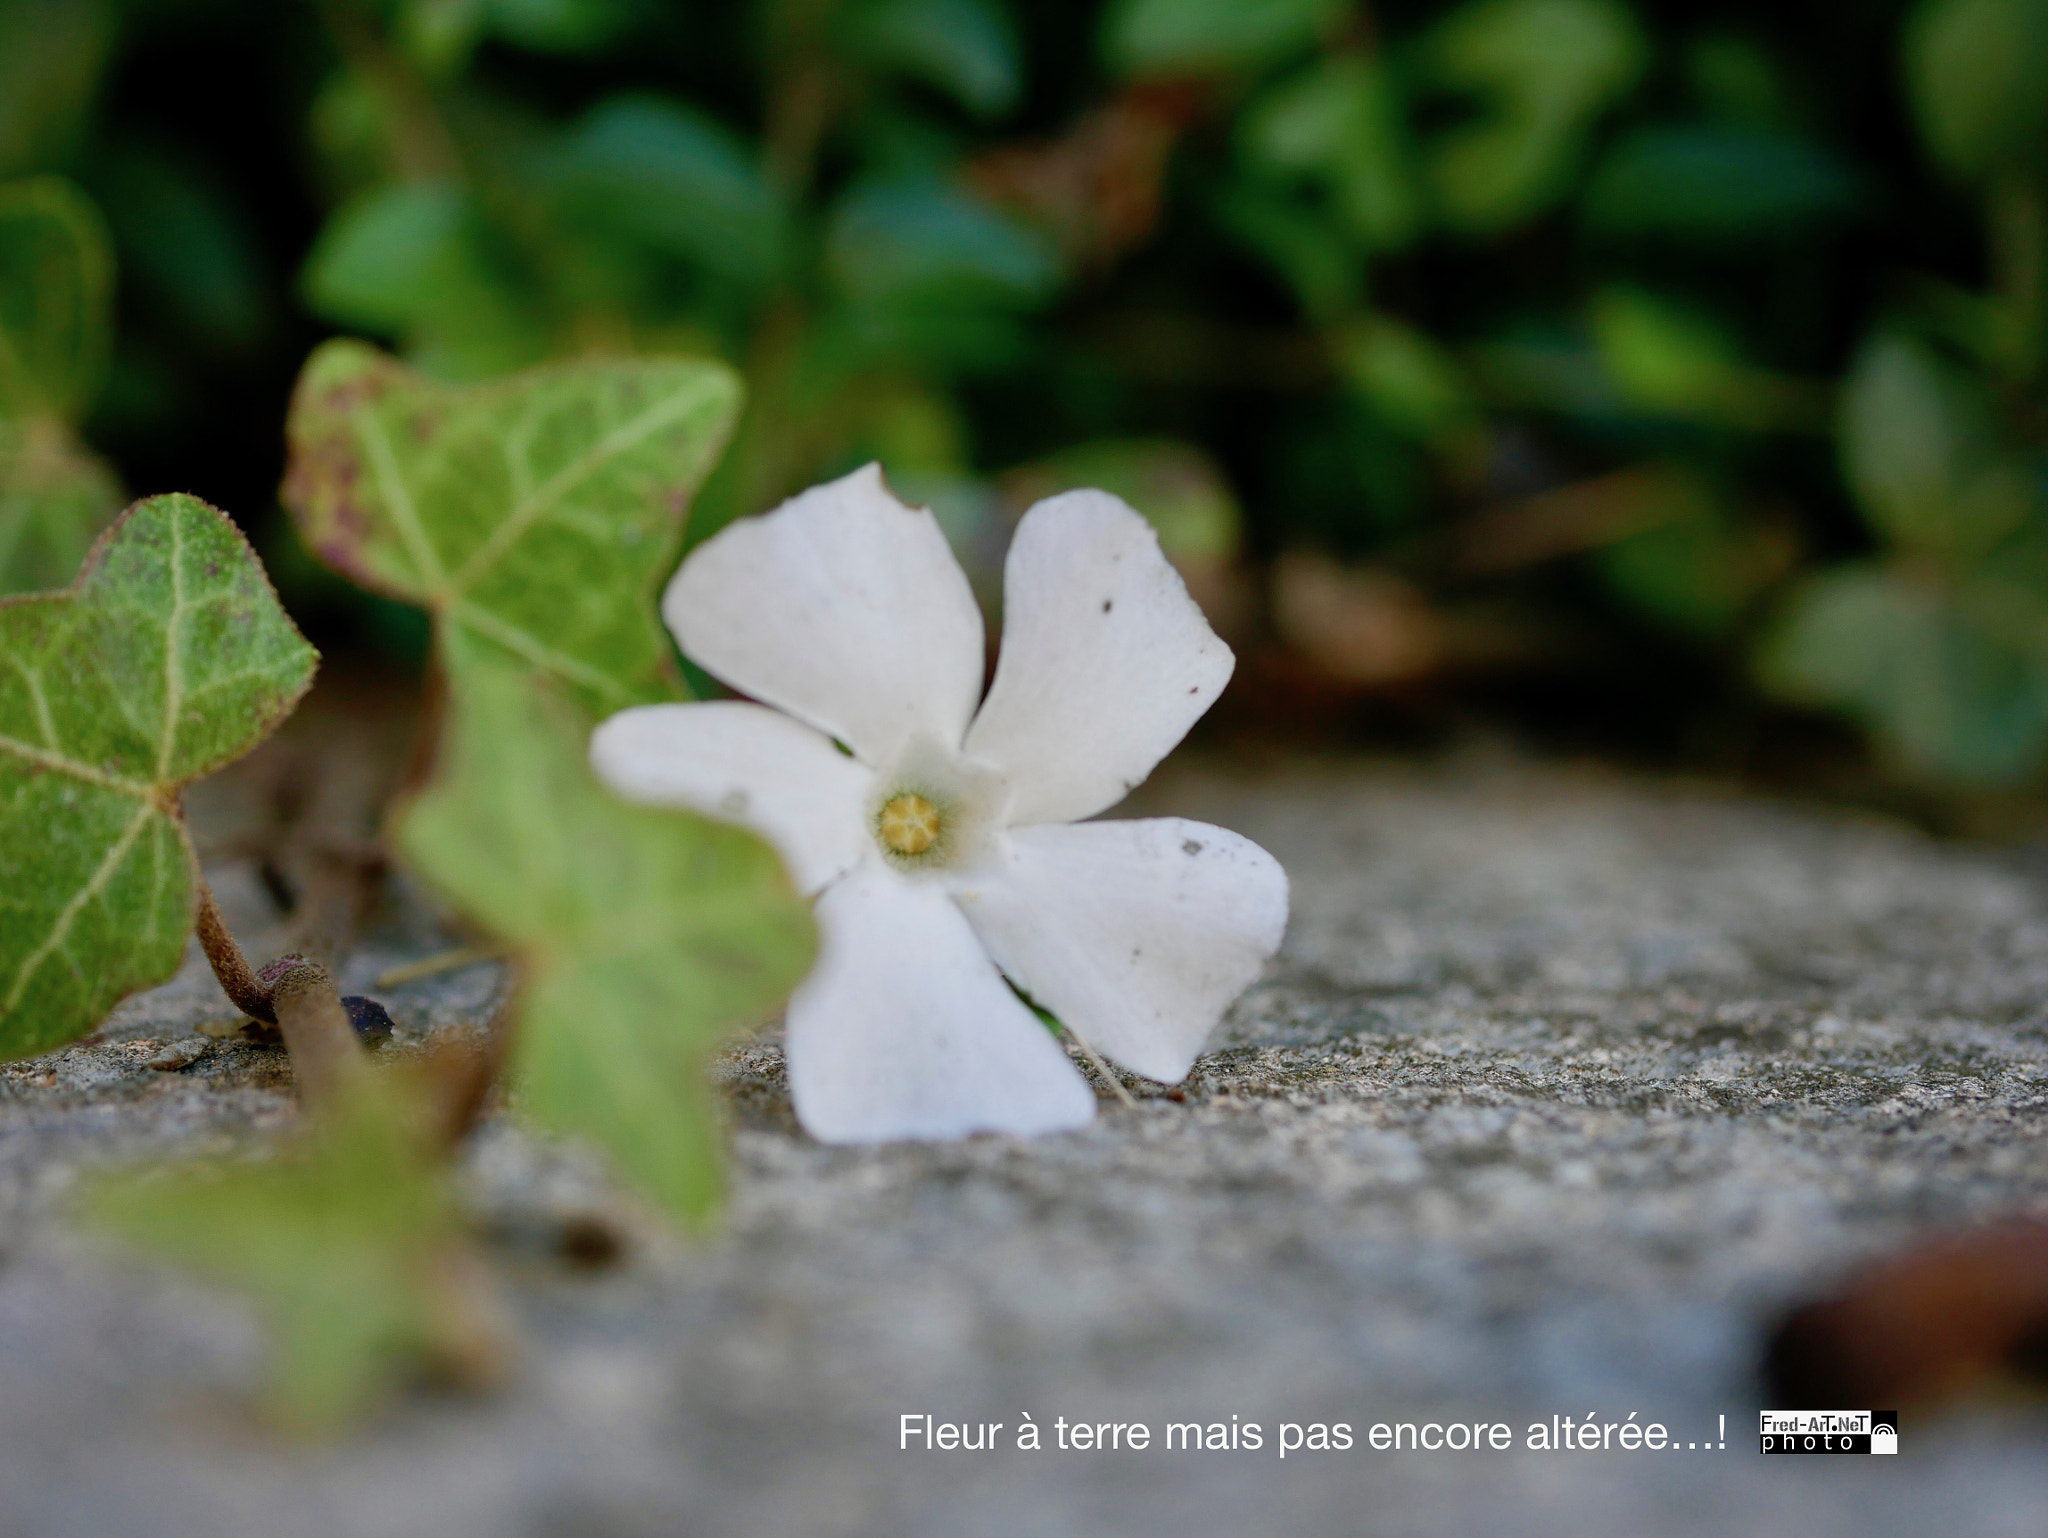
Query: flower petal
x=905, y=1030
x=844, y=608
x=745, y=764
x=1106, y=660
x=1136, y=934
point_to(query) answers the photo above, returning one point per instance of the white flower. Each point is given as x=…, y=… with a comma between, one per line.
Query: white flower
x=943, y=842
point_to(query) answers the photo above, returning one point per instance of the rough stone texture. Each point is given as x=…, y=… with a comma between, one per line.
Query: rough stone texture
x=1564, y=1083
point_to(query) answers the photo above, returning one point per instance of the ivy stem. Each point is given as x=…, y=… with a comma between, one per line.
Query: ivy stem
x=299, y=998
x=238, y=979
x=325, y=1056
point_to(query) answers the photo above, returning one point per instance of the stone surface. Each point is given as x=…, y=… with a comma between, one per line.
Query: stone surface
x=1564, y=1084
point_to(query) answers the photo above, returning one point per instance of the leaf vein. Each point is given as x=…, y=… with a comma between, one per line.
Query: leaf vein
x=398, y=497
x=626, y=436
x=75, y=767
x=60, y=930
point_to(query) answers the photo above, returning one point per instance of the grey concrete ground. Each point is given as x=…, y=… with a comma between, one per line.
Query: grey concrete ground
x=1564, y=1082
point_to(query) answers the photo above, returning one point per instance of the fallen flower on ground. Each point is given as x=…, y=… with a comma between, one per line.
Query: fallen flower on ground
x=940, y=834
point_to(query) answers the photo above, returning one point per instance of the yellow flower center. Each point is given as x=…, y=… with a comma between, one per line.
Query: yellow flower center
x=909, y=824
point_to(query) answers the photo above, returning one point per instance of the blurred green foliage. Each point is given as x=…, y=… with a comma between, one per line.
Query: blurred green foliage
x=55, y=325
x=1688, y=342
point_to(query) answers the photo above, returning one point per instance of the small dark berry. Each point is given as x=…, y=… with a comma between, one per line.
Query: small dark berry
x=373, y=1025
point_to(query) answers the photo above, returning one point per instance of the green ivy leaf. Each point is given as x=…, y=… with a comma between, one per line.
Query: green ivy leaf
x=1545, y=69
x=167, y=658
x=921, y=240
x=676, y=180
x=56, y=300
x=644, y=936
x=412, y=260
x=51, y=59
x=1975, y=69
x=1916, y=453
x=1948, y=699
x=1340, y=122
x=532, y=516
x=1717, y=182
x=966, y=48
x=349, y=1244
x=1409, y=379
x=55, y=495
x=1692, y=566
x=1193, y=37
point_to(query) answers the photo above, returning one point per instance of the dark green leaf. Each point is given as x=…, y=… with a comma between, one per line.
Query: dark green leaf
x=1193, y=37
x=1543, y=70
x=1692, y=568
x=966, y=48
x=56, y=300
x=1915, y=453
x=533, y=515
x=1976, y=69
x=926, y=241
x=1662, y=358
x=677, y=180
x=556, y=26
x=409, y=260
x=51, y=56
x=1716, y=181
x=1407, y=377
x=1948, y=701
x=168, y=658
x=1304, y=245
x=645, y=937
x=187, y=242
x=1340, y=122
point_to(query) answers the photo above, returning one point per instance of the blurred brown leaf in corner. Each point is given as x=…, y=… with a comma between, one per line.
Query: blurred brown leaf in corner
x=1960, y=1314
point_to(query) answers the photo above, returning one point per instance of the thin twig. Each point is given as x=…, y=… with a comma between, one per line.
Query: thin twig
x=446, y=961
x=1101, y=1067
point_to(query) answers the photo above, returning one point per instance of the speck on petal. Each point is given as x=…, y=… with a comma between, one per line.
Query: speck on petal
x=1137, y=934
x=745, y=764
x=843, y=607
x=904, y=1029
x=1106, y=661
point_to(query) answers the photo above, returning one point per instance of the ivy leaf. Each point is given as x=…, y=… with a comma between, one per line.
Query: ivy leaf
x=1949, y=698
x=350, y=1244
x=1545, y=69
x=644, y=936
x=1974, y=68
x=532, y=515
x=54, y=497
x=56, y=287
x=966, y=48
x=167, y=658
x=1195, y=37
x=56, y=274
